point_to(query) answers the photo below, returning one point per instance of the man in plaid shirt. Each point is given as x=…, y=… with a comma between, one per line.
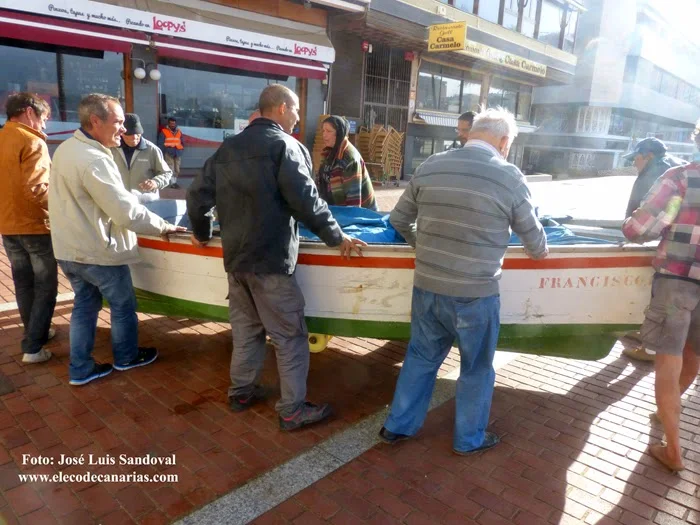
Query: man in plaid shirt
x=671, y=210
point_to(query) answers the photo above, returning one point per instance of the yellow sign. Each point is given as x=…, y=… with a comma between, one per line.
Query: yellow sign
x=447, y=37
x=496, y=56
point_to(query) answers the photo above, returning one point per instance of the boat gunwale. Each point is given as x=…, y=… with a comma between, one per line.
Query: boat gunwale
x=518, y=251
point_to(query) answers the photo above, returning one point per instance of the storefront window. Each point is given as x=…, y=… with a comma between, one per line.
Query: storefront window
x=570, y=32
x=529, y=18
x=488, y=10
x=447, y=89
x=464, y=5
x=550, y=23
x=449, y=100
x=61, y=78
x=471, y=93
x=428, y=90
x=524, y=103
x=516, y=98
x=422, y=149
x=438, y=93
x=503, y=93
x=209, y=102
x=669, y=86
x=510, y=15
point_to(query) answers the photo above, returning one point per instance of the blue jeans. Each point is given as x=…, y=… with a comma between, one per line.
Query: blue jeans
x=91, y=283
x=436, y=322
x=35, y=275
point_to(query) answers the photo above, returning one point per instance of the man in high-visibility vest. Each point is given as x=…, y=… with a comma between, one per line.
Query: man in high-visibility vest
x=170, y=141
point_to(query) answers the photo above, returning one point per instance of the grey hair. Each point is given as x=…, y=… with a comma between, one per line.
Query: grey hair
x=696, y=133
x=94, y=104
x=498, y=122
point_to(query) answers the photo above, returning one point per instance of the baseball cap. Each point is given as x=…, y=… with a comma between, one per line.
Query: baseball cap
x=650, y=145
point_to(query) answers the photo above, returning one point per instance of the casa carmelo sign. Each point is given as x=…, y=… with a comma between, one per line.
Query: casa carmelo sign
x=126, y=18
x=496, y=56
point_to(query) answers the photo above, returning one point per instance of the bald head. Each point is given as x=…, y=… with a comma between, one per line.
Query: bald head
x=280, y=104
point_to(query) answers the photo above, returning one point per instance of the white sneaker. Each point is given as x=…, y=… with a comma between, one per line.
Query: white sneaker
x=52, y=334
x=41, y=356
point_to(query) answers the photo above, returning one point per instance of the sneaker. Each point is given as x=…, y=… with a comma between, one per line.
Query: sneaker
x=41, y=356
x=389, y=437
x=51, y=334
x=241, y=403
x=145, y=356
x=307, y=414
x=175, y=186
x=490, y=441
x=98, y=371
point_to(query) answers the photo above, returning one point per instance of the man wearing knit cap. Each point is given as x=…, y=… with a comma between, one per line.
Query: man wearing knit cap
x=140, y=162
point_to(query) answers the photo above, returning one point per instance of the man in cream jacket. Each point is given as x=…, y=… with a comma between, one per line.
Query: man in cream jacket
x=93, y=220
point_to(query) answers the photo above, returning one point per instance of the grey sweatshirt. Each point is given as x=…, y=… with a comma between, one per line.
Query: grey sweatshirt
x=457, y=212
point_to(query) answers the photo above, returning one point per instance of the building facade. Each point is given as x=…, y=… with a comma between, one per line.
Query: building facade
x=203, y=63
x=388, y=74
x=637, y=77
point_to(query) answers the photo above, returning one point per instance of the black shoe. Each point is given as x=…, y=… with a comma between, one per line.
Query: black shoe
x=307, y=414
x=175, y=186
x=389, y=437
x=98, y=371
x=144, y=357
x=241, y=403
x=490, y=441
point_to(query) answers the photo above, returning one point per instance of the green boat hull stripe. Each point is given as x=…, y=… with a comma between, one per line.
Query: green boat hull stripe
x=577, y=341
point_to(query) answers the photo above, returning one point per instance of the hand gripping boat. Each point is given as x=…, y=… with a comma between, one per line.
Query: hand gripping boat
x=575, y=303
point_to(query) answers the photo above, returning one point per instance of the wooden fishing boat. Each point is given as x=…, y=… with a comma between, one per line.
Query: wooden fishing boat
x=572, y=304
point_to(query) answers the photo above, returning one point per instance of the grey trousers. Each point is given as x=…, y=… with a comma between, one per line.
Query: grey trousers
x=271, y=304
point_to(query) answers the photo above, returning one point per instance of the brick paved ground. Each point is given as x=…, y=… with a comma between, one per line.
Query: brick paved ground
x=575, y=435
x=573, y=451
x=178, y=405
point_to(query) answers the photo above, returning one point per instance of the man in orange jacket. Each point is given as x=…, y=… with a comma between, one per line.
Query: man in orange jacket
x=24, y=219
x=170, y=142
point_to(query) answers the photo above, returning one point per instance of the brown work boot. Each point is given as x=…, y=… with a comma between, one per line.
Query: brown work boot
x=305, y=415
x=639, y=353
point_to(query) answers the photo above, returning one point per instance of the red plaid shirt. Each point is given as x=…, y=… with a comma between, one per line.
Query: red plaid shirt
x=671, y=210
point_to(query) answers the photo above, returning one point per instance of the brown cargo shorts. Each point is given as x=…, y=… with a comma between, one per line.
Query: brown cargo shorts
x=672, y=317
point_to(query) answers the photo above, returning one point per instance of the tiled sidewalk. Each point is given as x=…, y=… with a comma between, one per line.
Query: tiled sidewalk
x=573, y=451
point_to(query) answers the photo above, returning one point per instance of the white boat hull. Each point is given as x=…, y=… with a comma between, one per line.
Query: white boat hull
x=582, y=291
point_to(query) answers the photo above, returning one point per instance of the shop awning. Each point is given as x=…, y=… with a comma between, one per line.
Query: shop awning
x=434, y=118
x=235, y=58
x=58, y=32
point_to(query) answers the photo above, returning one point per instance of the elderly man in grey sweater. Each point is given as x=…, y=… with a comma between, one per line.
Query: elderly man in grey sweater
x=458, y=212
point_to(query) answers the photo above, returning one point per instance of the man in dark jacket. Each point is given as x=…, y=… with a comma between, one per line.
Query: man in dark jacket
x=261, y=184
x=650, y=159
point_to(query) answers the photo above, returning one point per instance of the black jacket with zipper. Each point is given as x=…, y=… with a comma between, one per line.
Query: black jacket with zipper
x=261, y=184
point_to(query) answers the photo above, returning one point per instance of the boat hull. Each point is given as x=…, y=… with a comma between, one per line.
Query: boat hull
x=568, y=304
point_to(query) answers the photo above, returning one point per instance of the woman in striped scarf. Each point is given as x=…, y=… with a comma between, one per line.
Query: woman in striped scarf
x=342, y=178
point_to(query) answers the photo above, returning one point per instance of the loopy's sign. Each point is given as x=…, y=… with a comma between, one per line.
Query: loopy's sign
x=305, y=50
x=149, y=22
x=167, y=25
